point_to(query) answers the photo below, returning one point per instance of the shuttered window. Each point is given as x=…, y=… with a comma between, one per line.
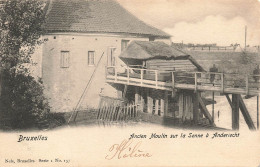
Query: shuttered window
x=91, y=58
x=65, y=56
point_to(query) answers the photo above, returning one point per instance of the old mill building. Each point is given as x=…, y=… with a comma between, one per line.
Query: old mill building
x=82, y=36
x=97, y=49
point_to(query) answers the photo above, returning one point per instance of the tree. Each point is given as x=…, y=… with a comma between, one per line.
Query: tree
x=21, y=26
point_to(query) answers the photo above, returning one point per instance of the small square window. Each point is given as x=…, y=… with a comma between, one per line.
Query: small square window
x=91, y=58
x=65, y=56
x=124, y=44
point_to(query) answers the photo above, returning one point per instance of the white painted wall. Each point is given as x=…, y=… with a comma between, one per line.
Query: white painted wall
x=64, y=86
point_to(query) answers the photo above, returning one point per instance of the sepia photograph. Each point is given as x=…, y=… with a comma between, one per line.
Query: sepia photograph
x=129, y=83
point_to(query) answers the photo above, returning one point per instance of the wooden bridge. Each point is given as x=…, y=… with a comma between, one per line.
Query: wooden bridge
x=198, y=81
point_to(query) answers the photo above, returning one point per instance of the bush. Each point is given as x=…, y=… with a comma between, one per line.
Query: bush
x=23, y=103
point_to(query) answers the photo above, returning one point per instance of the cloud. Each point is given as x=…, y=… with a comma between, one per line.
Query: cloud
x=215, y=29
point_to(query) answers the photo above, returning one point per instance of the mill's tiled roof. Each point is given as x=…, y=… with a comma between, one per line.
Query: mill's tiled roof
x=101, y=16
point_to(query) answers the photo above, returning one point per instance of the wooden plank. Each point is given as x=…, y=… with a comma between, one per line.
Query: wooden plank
x=235, y=111
x=205, y=111
x=246, y=114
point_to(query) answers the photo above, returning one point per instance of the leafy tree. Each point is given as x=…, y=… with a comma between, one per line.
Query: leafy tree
x=22, y=97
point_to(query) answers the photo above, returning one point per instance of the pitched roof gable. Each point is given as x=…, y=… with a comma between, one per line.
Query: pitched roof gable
x=145, y=50
x=151, y=49
x=100, y=16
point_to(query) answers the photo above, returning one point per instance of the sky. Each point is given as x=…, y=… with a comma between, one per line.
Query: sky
x=201, y=21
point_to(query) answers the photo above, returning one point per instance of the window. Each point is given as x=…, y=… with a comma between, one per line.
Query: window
x=65, y=56
x=124, y=44
x=91, y=58
x=151, y=38
x=111, y=59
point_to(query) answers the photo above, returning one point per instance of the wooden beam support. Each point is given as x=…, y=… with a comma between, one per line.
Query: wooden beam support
x=156, y=107
x=195, y=107
x=235, y=112
x=205, y=111
x=229, y=100
x=213, y=112
x=257, y=112
x=222, y=83
x=142, y=100
x=136, y=96
x=173, y=80
x=181, y=105
x=166, y=103
x=125, y=91
x=196, y=82
x=162, y=107
x=149, y=102
x=246, y=114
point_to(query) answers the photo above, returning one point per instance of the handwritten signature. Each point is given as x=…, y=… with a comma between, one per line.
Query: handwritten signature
x=127, y=149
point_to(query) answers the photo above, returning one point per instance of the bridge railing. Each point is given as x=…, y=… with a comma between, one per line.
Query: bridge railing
x=212, y=81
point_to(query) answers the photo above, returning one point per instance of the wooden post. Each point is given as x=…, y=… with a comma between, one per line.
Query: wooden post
x=136, y=96
x=235, y=112
x=128, y=76
x=246, y=114
x=125, y=91
x=149, y=101
x=142, y=101
x=195, y=108
x=195, y=79
x=257, y=117
x=156, y=78
x=247, y=85
x=181, y=106
x=162, y=107
x=142, y=76
x=222, y=82
x=213, y=112
x=173, y=80
x=166, y=103
x=156, y=107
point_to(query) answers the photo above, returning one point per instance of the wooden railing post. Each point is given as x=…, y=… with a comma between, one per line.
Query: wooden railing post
x=156, y=78
x=196, y=84
x=142, y=76
x=247, y=85
x=222, y=82
x=173, y=80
